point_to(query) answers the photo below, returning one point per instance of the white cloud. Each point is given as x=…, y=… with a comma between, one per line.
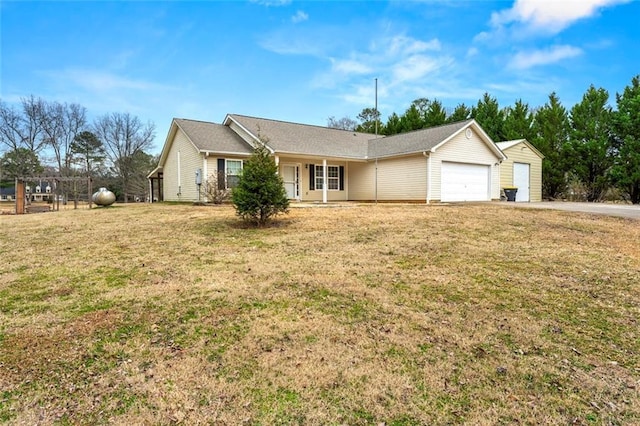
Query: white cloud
x=102, y=91
x=403, y=45
x=284, y=43
x=101, y=81
x=525, y=60
x=417, y=67
x=300, y=16
x=549, y=16
x=350, y=66
x=270, y=3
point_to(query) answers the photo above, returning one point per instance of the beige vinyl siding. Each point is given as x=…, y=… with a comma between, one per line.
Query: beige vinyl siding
x=462, y=150
x=521, y=153
x=190, y=160
x=402, y=178
x=212, y=168
x=361, y=181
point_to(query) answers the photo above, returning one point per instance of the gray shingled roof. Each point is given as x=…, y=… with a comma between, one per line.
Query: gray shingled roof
x=213, y=137
x=285, y=137
x=412, y=142
x=294, y=138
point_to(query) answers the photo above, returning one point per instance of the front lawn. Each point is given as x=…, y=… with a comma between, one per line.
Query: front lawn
x=358, y=314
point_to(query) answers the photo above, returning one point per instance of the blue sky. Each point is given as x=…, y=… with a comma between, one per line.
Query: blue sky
x=306, y=61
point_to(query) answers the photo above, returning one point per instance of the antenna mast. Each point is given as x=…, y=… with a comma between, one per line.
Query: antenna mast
x=376, y=108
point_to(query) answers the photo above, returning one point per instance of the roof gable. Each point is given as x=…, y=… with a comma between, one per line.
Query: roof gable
x=212, y=137
x=505, y=145
x=206, y=137
x=427, y=140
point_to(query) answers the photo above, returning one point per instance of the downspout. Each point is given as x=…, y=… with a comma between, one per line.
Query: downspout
x=346, y=182
x=428, y=176
x=376, y=182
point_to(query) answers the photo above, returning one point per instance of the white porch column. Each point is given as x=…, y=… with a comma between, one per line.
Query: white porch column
x=324, y=181
x=277, y=158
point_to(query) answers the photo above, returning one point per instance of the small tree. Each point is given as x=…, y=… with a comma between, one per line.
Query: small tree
x=260, y=193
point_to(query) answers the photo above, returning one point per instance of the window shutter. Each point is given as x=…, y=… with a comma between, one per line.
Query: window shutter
x=341, y=178
x=312, y=177
x=221, y=174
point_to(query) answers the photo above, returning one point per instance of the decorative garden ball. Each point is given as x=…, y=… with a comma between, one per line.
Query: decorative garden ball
x=104, y=197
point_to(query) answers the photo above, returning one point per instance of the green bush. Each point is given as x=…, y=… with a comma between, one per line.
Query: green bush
x=260, y=194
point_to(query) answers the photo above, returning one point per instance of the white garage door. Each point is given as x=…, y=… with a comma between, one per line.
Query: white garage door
x=464, y=182
x=521, y=181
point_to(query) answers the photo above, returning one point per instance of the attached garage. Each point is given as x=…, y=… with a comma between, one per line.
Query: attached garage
x=465, y=182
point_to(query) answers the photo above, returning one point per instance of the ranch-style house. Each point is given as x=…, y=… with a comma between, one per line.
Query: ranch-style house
x=449, y=163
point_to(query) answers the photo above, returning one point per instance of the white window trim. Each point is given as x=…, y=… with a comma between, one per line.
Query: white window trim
x=326, y=178
x=226, y=170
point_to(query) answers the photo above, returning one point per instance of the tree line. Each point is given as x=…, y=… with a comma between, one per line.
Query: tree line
x=49, y=138
x=592, y=151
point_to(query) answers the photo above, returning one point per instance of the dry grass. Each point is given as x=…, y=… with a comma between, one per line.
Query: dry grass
x=475, y=314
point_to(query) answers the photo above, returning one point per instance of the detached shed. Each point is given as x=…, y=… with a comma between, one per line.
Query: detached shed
x=522, y=169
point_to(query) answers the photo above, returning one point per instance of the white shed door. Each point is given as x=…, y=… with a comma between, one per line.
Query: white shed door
x=521, y=181
x=464, y=182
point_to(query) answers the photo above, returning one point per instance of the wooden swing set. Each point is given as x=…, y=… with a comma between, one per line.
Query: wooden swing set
x=22, y=195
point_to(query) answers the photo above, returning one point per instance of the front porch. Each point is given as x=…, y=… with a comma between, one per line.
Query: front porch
x=314, y=180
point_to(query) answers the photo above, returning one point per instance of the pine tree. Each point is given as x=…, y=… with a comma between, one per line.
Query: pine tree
x=626, y=124
x=551, y=127
x=435, y=114
x=411, y=119
x=393, y=126
x=489, y=116
x=518, y=122
x=460, y=113
x=260, y=194
x=588, y=152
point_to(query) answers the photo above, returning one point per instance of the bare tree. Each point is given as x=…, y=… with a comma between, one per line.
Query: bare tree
x=60, y=124
x=344, y=123
x=21, y=129
x=31, y=127
x=123, y=136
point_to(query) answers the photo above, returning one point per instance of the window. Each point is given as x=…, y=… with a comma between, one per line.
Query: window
x=319, y=177
x=232, y=168
x=335, y=178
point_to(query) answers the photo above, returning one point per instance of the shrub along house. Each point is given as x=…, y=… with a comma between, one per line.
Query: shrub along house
x=453, y=162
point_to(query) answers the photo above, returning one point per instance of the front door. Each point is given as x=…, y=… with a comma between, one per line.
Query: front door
x=290, y=178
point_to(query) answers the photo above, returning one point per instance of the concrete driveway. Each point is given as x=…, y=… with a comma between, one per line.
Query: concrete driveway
x=619, y=210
